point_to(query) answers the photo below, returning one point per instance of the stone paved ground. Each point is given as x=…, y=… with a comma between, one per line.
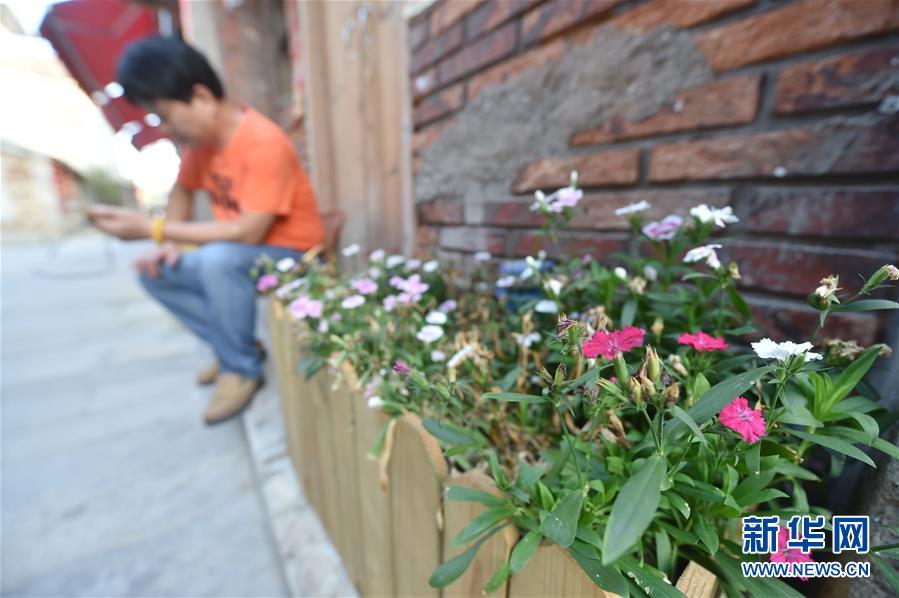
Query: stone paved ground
x=111, y=484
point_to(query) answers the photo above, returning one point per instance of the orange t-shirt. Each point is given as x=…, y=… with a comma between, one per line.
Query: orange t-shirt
x=257, y=171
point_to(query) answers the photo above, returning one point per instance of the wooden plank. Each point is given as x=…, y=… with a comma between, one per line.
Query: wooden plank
x=698, y=582
x=376, y=536
x=416, y=472
x=552, y=572
x=493, y=553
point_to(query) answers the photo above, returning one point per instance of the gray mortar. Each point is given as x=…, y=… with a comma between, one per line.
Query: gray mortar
x=533, y=115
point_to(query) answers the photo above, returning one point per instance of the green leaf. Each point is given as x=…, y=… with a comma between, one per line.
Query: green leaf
x=887, y=572
x=679, y=503
x=885, y=446
x=682, y=415
x=700, y=387
x=513, y=397
x=835, y=444
x=560, y=525
x=868, y=425
x=649, y=579
x=850, y=377
x=752, y=456
x=524, y=550
x=718, y=397
x=706, y=533
x=452, y=569
x=663, y=551
x=866, y=305
x=606, y=577
x=737, y=300
x=481, y=524
x=633, y=510
x=453, y=434
x=461, y=493
x=628, y=312
x=508, y=380
x=498, y=578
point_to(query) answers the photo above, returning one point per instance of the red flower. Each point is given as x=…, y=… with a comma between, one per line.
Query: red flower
x=789, y=555
x=610, y=344
x=748, y=423
x=702, y=341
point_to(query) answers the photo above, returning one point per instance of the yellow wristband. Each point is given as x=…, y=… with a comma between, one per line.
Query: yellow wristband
x=156, y=229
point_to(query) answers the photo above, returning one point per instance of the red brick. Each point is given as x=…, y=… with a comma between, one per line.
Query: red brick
x=490, y=48
x=448, y=12
x=837, y=146
x=490, y=14
x=613, y=167
x=798, y=269
x=426, y=236
x=418, y=31
x=797, y=27
x=558, y=15
x=423, y=84
x=437, y=48
x=821, y=212
x=680, y=13
x=795, y=321
x=439, y=104
x=440, y=211
x=731, y=101
x=599, y=208
x=845, y=80
x=423, y=138
x=464, y=238
x=537, y=58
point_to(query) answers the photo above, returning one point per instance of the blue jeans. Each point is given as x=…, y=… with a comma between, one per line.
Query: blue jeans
x=211, y=292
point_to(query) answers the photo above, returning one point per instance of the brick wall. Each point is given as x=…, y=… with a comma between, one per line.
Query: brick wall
x=793, y=123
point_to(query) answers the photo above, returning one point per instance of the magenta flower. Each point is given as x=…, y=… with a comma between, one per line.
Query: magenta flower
x=400, y=367
x=266, y=282
x=304, y=307
x=748, y=423
x=789, y=555
x=666, y=229
x=702, y=341
x=365, y=286
x=610, y=344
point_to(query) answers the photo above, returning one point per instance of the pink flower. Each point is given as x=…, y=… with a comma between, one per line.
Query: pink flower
x=789, y=555
x=397, y=282
x=667, y=228
x=702, y=341
x=610, y=344
x=390, y=302
x=304, y=307
x=400, y=367
x=748, y=423
x=365, y=286
x=566, y=197
x=265, y=282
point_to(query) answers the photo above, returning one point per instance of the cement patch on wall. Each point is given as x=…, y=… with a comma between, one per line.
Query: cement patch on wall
x=533, y=115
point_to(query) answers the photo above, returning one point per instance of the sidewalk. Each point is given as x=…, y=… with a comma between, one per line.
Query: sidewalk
x=111, y=484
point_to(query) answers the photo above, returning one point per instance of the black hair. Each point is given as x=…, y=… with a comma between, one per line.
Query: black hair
x=164, y=67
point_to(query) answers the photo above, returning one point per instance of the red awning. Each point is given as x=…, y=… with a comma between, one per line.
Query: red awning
x=90, y=36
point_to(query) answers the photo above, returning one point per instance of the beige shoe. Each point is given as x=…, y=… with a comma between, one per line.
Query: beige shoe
x=209, y=374
x=232, y=395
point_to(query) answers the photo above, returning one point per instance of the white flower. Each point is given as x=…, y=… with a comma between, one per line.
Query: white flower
x=447, y=306
x=546, y=307
x=482, y=256
x=620, y=273
x=375, y=402
x=650, y=273
x=526, y=340
x=431, y=266
x=540, y=202
x=768, y=349
x=352, y=302
x=377, y=255
x=323, y=327
x=505, y=281
x=374, y=272
x=437, y=355
x=632, y=208
x=566, y=197
x=283, y=290
x=719, y=215
x=329, y=294
x=436, y=317
x=429, y=334
x=395, y=260
x=459, y=356
x=553, y=286
x=285, y=264
x=705, y=252
x=350, y=250
x=413, y=264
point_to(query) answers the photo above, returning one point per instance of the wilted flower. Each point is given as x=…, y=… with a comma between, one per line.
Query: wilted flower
x=637, y=285
x=352, y=302
x=664, y=230
x=564, y=324
x=266, y=282
x=671, y=394
x=676, y=364
x=430, y=266
x=734, y=271
x=705, y=252
x=720, y=216
x=610, y=344
x=892, y=272
x=702, y=341
x=546, y=306
x=460, y=356
x=828, y=287
x=748, y=423
x=632, y=208
x=285, y=264
x=364, y=286
x=430, y=333
x=350, y=250
x=768, y=349
x=436, y=317
x=304, y=307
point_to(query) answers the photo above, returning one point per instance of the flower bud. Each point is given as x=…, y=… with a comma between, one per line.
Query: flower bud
x=561, y=374
x=400, y=367
x=653, y=365
x=621, y=370
x=734, y=271
x=677, y=365
x=885, y=272
x=658, y=326
x=635, y=391
x=671, y=394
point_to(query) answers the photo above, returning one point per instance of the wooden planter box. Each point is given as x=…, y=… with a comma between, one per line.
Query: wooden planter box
x=387, y=517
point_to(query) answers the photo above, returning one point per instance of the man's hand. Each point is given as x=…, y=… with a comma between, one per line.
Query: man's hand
x=150, y=262
x=125, y=223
